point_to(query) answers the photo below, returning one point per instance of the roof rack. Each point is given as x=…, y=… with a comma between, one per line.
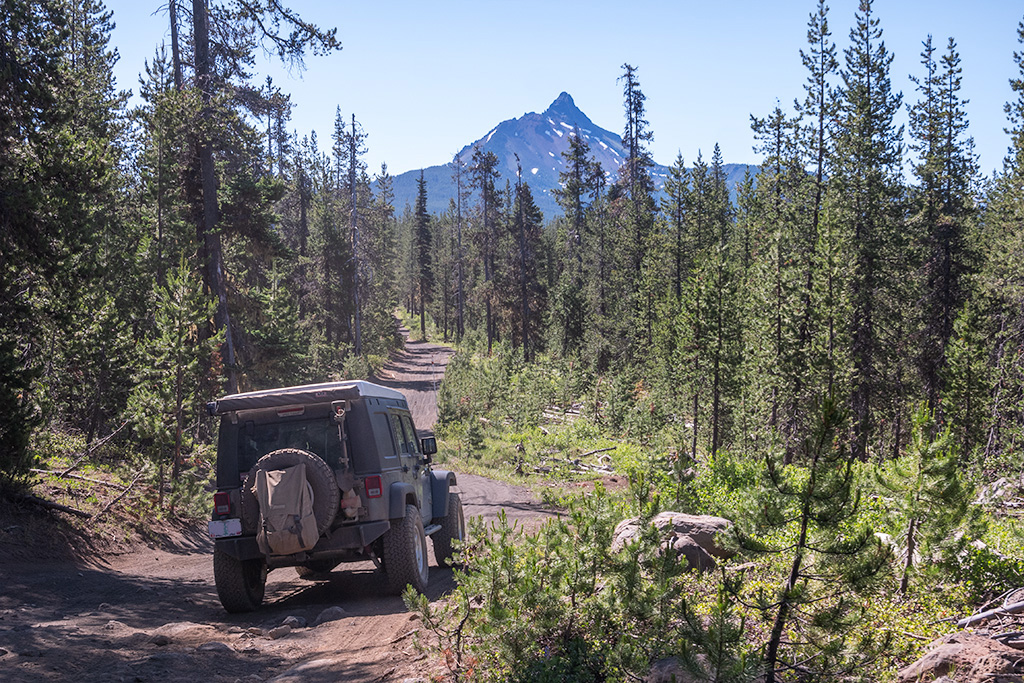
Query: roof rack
x=309, y=393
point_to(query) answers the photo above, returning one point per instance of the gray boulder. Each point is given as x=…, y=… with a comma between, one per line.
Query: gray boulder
x=692, y=536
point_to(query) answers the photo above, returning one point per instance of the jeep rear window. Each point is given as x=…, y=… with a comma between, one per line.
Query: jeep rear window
x=384, y=438
x=318, y=436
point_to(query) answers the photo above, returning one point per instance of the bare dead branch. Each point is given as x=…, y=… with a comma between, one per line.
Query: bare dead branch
x=92, y=449
x=114, y=502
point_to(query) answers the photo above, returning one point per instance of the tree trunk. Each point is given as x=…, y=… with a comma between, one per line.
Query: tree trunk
x=355, y=238
x=209, y=237
x=908, y=564
x=172, y=9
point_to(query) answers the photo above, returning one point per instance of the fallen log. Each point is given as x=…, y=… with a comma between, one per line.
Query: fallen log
x=62, y=475
x=50, y=505
x=1015, y=608
x=92, y=449
x=599, y=450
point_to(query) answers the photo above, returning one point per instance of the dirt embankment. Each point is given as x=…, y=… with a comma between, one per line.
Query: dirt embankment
x=152, y=614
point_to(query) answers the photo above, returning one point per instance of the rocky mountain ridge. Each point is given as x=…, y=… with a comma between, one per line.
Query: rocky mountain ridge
x=538, y=141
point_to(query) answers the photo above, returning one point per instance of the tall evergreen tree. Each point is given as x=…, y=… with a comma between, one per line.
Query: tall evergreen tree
x=636, y=217
x=243, y=21
x=675, y=208
x=527, y=221
x=58, y=171
x=999, y=306
x=943, y=207
x=424, y=271
x=780, y=341
x=869, y=158
x=458, y=172
x=578, y=186
x=484, y=174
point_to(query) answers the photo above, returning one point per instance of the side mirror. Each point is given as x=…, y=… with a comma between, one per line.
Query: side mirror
x=428, y=445
x=338, y=409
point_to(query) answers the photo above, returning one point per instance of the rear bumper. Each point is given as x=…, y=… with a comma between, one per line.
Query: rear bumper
x=341, y=540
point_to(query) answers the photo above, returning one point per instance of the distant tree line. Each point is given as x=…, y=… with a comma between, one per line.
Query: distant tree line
x=155, y=257
x=831, y=275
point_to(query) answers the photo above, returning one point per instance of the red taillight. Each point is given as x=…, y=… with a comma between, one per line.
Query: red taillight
x=374, y=487
x=222, y=503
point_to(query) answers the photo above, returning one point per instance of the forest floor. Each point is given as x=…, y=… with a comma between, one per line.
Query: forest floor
x=74, y=609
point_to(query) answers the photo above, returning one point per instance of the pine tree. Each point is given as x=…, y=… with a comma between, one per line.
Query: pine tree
x=636, y=217
x=784, y=261
x=578, y=187
x=90, y=333
x=59, y=173
x=831, y=556
x=944, y=207
x=675, y=208
x=1001, y=296
x=171, y=385
x=458, y=171
x=527, y=221
x=933, y=503
x=484, y=174
x=213, y=64
x=725, y=332
x=446, y=268
x=820, y=106
x=379, y=259
x=424, y=271
x=869, y=157
x=349, y=174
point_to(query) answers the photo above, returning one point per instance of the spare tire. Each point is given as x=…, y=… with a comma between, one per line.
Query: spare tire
x=326, y=495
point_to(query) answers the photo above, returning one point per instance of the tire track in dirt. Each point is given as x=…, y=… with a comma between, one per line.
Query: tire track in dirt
x=417, y=371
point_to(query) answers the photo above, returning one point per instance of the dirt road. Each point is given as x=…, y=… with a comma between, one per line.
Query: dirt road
x=152, y=614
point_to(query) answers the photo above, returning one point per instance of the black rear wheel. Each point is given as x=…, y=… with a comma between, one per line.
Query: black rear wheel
x=240, y=583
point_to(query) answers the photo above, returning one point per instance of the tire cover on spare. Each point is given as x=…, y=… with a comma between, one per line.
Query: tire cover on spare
x=326, y=495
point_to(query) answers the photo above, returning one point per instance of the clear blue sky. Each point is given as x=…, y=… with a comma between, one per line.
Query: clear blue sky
x=426, y=78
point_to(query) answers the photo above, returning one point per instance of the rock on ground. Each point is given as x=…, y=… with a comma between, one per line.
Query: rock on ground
x=330, y=614
x=966, y=658
x=692, y=536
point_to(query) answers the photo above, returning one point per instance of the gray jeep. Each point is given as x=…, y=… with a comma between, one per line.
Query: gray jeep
x=374, y=493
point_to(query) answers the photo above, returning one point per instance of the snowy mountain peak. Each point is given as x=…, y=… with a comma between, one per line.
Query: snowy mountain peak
x=565, y=109
x=534, y=142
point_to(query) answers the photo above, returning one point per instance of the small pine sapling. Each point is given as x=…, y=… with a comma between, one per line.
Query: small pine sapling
x=830, y=557
x=930, y=496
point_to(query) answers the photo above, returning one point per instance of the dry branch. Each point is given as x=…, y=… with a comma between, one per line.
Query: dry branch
x=599, y=450
x=62, y=475
x=92, y=449
x=116, y=500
